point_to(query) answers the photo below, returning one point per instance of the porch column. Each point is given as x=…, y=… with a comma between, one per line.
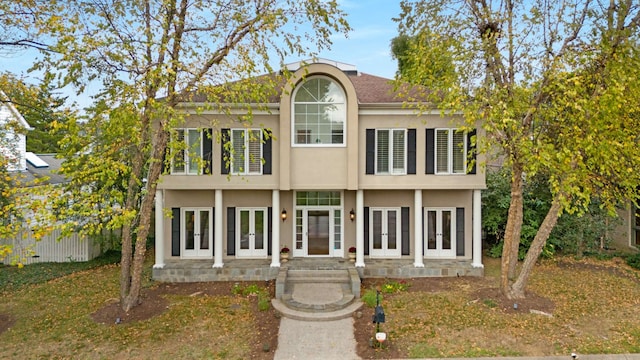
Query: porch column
x=159, y=230
x=218, y=238
x=275, y=228
x=477, y=229
x=360, y=228
x=417, y=223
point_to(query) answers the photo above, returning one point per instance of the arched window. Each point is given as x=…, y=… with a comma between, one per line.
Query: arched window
x=319, y=113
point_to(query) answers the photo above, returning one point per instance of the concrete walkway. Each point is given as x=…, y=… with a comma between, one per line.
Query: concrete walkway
x=321, y=340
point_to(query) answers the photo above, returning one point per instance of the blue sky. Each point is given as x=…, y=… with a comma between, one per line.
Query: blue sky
x=367, y=47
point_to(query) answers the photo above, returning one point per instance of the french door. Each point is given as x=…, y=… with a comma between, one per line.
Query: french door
x=385, y=232
x=197, y=236
x=440, y=235
x=251, y=232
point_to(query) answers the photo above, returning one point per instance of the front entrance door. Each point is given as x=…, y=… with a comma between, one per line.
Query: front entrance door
x=440, y=233
x=252, y=232
x=196, y=233
x=385, y=232
x=318, y=232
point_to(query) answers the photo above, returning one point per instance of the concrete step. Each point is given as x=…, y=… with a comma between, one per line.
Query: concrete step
x=344, y=313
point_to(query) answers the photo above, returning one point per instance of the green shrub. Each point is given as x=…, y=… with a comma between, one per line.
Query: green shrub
x=370, y=298
x=264, y=299
x=633, y=261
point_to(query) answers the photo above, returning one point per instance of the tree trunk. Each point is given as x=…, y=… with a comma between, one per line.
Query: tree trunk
x=512, y=232
x=155, y=169
x=517, y=289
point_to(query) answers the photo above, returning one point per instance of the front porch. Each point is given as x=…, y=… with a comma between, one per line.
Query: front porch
x=261, y=270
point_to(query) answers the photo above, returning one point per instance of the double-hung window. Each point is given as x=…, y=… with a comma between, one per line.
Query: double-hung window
x=391, y=151
x=450, y=151
x=246, y=154
x=188, y=152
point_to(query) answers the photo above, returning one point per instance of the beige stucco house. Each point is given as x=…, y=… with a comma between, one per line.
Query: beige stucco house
x=347, y=166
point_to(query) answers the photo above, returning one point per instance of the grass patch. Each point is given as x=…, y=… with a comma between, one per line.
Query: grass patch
x=264, y=299
x=13, y=278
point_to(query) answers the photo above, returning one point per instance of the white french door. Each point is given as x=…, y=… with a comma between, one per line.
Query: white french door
x=251, y=232
x=197, y=236
x=440, y=235
x=385, y=232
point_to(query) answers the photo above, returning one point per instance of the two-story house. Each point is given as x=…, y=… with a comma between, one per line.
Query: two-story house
x=347, y=165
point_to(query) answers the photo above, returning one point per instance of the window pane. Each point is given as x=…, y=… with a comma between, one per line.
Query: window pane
x=195, y=151
x=204, y=229
x=442, y=151
x=178, y=157
x=259, y=229
x=392, y=230
x=398, y=151
x=446, y=230
x=377, y=229
x=244, y=229
x=431, y=230
x=189, y=230
x=382, y=152
x=459, y=155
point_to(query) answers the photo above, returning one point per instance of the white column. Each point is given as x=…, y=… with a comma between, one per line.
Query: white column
x=477, y=229
x=275, y=228
x=418, y=224
x=360, y=228
x=218, y=237
x=159, y=230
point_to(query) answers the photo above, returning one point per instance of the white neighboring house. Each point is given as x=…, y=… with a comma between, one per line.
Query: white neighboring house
x=29, y=167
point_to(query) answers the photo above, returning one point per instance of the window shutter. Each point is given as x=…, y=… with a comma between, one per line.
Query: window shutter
x=471, y=150
x=370, y=151
x=231, y=231
x=225, y=159
x=366, y=230
x=411, y=151
x=266, y=153
x=175, y=231
x=431, y=153
x=460, y=232
x=207, y=151
x=406, y=237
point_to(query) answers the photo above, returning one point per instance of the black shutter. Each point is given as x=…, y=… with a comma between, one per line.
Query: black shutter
x=471, y=149
x=431, y=151
x=266, y=153
x=411, y=151
x=460, y=232
x=366, y=230
x=269, y=229
x=225, y=155
x=207, y=151
x=370, y=151
x=406, y=236
x=231, y=231
x=422, y=235
x=175, y=231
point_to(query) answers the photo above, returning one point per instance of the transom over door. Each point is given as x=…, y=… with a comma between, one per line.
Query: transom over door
x=197, y=236
x=251, y=232
x=385, y=232
x=440, y=235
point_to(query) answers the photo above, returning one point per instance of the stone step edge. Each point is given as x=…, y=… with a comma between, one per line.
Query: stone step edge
x=312, y=280
x=284, y=311
x=344, y=302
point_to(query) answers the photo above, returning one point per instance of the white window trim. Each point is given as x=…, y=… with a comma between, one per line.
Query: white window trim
x=450, y=151
x=186, y=153
x=293, y=116
x=246, y=156
x=391, y=160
